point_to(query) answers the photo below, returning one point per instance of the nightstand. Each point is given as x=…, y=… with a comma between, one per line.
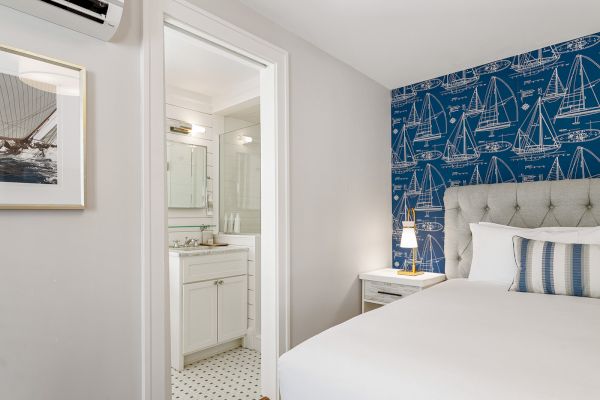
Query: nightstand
x=385, y=286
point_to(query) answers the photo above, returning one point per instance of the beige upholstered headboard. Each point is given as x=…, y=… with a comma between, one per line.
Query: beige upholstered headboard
x=529, y=205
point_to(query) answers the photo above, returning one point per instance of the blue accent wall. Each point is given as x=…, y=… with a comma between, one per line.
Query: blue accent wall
x=535, y=116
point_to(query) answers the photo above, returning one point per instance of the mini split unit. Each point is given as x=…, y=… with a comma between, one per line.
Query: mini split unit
x=97, y=18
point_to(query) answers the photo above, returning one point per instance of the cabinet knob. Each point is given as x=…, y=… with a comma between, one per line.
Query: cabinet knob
x=221, y=282
x=216, y=282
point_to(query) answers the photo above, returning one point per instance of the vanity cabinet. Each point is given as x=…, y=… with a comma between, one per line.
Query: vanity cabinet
x=209, y=301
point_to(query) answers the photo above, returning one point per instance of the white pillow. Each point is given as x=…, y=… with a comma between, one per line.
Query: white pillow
x=585, y=234
x=493, y=255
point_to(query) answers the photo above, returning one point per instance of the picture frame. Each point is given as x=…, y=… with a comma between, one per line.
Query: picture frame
x=42, y=132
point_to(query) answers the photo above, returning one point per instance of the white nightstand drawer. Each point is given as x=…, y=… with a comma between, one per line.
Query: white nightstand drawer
x=384, y=292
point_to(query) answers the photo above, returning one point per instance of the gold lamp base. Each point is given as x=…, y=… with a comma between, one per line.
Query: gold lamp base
x=410, y=273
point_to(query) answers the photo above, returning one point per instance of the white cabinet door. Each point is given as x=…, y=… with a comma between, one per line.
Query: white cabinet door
x=199, y=315
x=233, y=307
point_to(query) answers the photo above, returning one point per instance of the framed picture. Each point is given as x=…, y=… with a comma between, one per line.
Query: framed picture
x=42, y=132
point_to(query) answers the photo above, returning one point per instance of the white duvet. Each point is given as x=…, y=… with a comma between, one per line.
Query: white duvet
x=458, y=340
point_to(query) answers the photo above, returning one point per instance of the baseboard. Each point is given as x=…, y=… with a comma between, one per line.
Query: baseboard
x=213, y=351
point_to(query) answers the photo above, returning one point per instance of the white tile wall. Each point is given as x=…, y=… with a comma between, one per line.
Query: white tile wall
x=195, y=111
x=252, y=242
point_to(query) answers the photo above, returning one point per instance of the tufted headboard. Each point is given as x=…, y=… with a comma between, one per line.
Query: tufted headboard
x=528, y=205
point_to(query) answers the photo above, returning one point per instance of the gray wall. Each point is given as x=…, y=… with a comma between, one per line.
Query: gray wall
x=70, y=280
x=340, y=186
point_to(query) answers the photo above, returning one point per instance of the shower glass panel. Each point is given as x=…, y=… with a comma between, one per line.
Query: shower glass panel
x=240, y=180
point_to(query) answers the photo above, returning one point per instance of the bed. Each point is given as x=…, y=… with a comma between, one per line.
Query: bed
x=462, y=339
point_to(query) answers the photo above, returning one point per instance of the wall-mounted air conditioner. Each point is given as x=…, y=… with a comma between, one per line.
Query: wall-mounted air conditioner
x=97, y=18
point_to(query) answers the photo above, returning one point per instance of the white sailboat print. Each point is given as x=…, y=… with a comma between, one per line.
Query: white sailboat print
x=475, y=105
x=460, y=80
x=476, y=177
x=578, y=44
x=413, y=187
x=535, y=61
x=555, y=89
x=499, y=172
x=584, y=164
x=556, y=173
x=500, y=107
x=461, y=146
x=536, y=134
x=427, y=85
x=401, y=209
x=413, y=117
x=580, y=97
x=432, y=190
x=402, y=95
x=492, y=67
x=432, y=122
x=403, y=155
x=432, y=256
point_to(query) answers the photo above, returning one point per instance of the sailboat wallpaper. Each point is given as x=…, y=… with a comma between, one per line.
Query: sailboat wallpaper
x=535, y=116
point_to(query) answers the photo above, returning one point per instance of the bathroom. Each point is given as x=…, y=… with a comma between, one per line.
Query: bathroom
x=213, y=190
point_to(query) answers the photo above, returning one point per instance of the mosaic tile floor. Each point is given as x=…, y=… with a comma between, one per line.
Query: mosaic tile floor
x=233, y=375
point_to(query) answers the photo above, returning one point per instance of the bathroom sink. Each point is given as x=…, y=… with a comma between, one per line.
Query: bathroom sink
x=201, y=247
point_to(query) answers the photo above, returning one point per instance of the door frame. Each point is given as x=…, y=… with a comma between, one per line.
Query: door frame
x=275, y=245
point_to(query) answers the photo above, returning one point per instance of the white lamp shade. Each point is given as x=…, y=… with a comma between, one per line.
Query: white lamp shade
x=408, y=240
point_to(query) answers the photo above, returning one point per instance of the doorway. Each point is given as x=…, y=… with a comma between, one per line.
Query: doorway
x=213, y=194
x=274, y=243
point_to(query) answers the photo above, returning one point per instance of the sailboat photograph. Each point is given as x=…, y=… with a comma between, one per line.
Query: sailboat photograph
x=28, y=132
x=537, y=134
x=461, y=147
x=581, y=98
x=500, y=107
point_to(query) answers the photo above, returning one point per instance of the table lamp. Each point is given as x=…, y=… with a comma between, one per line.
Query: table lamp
x=408, y=240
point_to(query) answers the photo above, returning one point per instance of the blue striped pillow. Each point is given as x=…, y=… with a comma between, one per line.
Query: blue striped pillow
x=556, y=268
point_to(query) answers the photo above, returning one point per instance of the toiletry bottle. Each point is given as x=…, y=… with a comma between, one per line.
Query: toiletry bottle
x=236, y=223
x=226, y=224
x=231, y=222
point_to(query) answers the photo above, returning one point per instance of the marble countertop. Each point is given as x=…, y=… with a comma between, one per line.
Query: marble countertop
x=183, y=252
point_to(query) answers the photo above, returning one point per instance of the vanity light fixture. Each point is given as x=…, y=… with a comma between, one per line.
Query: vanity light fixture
x=188, y=129
x=197, y=129
x=243, y=139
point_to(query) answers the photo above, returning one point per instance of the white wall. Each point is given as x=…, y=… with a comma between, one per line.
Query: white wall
x=340, y=184
x=70, y=280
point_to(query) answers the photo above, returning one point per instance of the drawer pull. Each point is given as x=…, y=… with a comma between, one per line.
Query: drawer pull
x=391, y=294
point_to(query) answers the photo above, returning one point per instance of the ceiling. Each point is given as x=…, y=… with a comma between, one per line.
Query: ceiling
x=191, y=67
x=398, y=42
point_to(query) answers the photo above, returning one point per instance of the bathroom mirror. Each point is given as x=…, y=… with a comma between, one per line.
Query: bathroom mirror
x=186, y=175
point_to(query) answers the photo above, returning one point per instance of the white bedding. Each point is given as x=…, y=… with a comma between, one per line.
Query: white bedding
x=458, y=340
